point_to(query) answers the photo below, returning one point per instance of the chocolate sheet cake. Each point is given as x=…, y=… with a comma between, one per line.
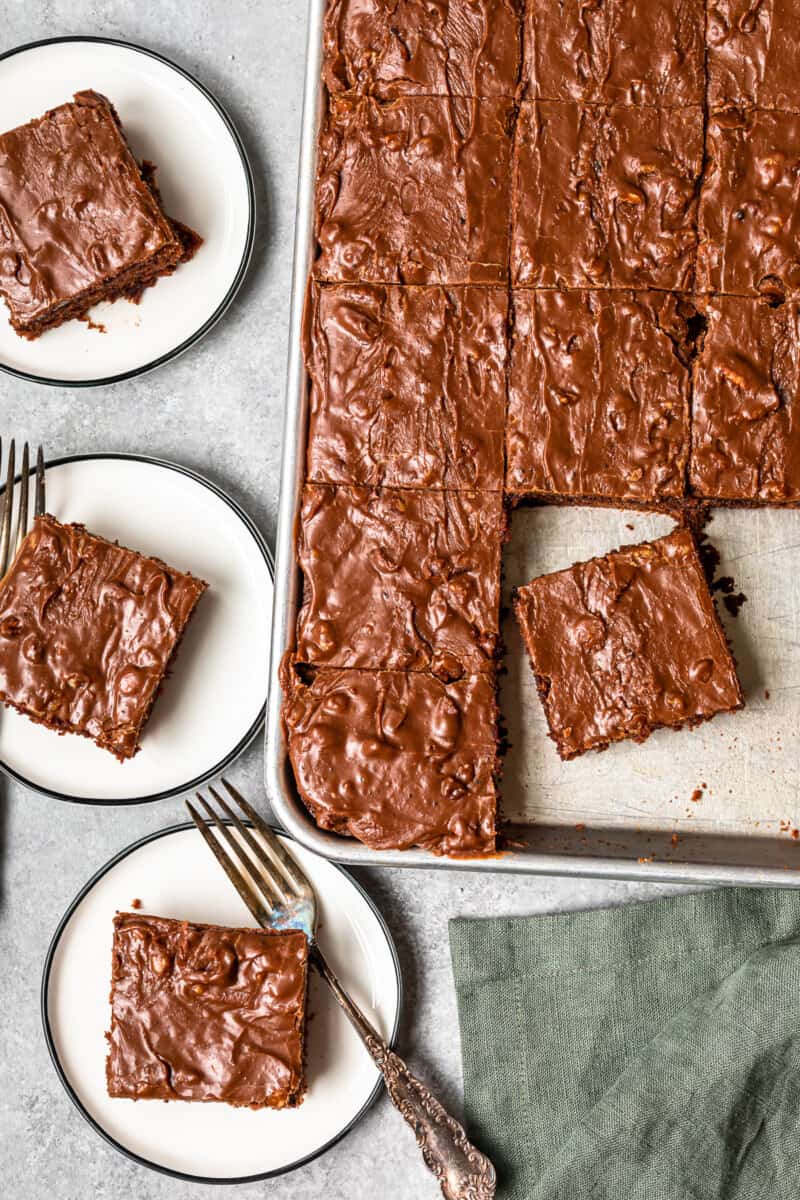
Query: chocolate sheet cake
x=616, y=51
x=414, y=191
x=88, y=631
x=746, y=411
x=749, y=218
x=400, y=578
x=598, y=403
x=752, y=54
x=605, y=196
x=206, y=1013
x=396, y=758
x=412, y=47
x=80, y=220
x=408, y=386
x=626, y=173
x=626, y=644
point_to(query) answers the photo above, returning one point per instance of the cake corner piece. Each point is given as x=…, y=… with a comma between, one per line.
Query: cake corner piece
x=396, y=759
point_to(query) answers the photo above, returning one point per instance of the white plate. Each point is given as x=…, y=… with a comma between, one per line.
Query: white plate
x=213, y=702
x=174, y=875
x=205, y=181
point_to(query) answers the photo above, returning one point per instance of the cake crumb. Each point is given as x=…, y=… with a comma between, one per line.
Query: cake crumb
x=766, y=693
x=696, y=795
x=580, y=827
x=90, y=324
x=734, y=602
x=674, y=839
x=136, y=902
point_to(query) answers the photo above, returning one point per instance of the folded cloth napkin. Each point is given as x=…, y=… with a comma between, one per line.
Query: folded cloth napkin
x=648, y=1052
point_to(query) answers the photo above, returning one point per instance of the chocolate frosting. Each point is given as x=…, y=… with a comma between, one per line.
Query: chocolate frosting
x=627, y=643
x=400, y=579
x=201, y=1012
x=605, y=196
x=622, y=51
x=599, y=395
x=746, y=411
x=414, y=47
x=396, y=759
x=753, y=53
x=749, y=212
x=87, y=630
x=416, y=191
x=408, y=386
x=74, y=209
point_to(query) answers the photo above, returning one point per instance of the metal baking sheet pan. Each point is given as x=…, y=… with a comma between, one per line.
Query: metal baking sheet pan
x=717, y=804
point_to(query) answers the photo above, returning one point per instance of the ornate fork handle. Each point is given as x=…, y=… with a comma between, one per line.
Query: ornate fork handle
x=464, y=1173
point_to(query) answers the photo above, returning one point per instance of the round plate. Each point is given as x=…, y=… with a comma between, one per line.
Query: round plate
x=214, y=699
x=174, y=875
x=205, y=181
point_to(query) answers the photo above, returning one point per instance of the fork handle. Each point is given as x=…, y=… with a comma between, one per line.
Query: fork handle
x=463, y=1172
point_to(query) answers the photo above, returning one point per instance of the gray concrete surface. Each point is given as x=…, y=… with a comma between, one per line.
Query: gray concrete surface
x=219, y=410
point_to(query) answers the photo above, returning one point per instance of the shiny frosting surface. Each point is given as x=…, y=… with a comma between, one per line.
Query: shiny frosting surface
x=396, y=759
x=415, y=191
x=626, y=643
x=605, y=196
x=749, y=211
x=408, y=386
x=423, y=47
x=74, y=210
x=202, y=1012
x=599, y=395
x=400, y=578
x=746, y=410
x=87, y=631
x=626, y=51
x=753, y=53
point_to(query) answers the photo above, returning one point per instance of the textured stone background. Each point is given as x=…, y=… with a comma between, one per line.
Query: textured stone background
x=219, y=410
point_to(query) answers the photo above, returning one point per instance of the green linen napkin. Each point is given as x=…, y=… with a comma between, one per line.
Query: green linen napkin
x=648, y=1052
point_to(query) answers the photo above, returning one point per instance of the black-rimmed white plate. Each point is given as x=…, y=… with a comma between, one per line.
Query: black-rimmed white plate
x=205, y=181
x=213, y=703
x=174, y=875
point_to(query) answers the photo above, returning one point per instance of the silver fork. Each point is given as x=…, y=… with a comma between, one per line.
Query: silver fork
x=10, y=545
x=280, y=896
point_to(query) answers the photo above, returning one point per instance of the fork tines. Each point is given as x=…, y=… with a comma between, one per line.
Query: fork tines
x=10, y=545
x=268, y=880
